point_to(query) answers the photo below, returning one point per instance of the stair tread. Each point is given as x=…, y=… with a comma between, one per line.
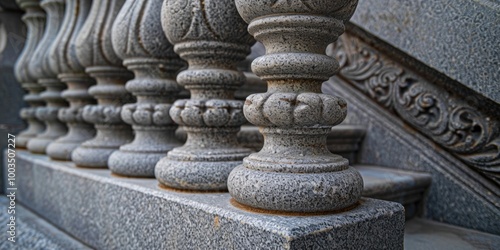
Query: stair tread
x=421, y=234
x=33, y=232
x=380, y=182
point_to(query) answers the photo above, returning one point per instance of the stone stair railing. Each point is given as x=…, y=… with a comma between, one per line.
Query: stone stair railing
x=294, y=171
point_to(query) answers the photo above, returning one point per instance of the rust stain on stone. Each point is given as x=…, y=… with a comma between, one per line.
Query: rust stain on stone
x=273, y=212
x=216, y=222
x=127, y=177
x=161, y=186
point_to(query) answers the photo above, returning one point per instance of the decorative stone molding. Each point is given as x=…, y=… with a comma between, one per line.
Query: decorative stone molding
x=455, y=122
x=95, y=52
x=139, y=40
x=73, y=75
x=212, y=38
x=35, y=22
x=294, y=171
x=40, y=68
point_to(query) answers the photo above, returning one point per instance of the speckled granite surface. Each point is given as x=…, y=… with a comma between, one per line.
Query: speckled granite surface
x=429, y=235
x=109, y=212
x=458, y=38
x=33, y=232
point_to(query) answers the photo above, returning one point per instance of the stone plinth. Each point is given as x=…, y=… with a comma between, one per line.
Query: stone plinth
x=106, y=211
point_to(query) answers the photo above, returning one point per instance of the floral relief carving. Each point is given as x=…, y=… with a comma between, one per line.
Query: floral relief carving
x=446, y=118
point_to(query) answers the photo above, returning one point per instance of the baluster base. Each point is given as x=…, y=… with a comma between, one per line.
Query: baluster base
x=201, y=169
x=62, y=148
x=35, y=127
x=96, y=152
x=139, y=158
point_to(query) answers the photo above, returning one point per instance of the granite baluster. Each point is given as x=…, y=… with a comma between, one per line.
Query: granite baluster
x=95, y=52
x=72, y=73
x=139, y=40
x=41, y=69
x=212, y=38
x=294, y=171
x=35, y=23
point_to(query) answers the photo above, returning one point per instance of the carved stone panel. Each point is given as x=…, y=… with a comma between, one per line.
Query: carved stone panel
x=452, y=121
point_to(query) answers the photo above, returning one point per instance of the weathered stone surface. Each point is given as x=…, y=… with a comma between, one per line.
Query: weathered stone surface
x=71, y=72
x=425, y=234
x=457, y=195
x=463, y=33
x=425, y=123
x=40, y=68
x=466, y=125
x=139, y=40
x=34, y=232
x=404, y=187
x=294, y=169
x=212, y=48
x=105, y=211
x=95, y=52
x=35, y=23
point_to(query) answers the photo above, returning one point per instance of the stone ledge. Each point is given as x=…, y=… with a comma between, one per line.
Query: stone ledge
x=106, y=212
x=33, y=232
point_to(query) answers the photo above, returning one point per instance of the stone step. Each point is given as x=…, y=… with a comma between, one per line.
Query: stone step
x=33, y=232
x=402, y=186
x=421, y=234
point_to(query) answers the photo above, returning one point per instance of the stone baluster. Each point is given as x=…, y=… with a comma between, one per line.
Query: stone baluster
x=212, y=38
x=139, y=40
x=41, y=69
x=294, y=171
x=35, y=22
x=95, y=52
x=72, y=73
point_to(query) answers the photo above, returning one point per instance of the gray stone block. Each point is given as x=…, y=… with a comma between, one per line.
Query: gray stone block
x=35, y=233
x=458, y=38
x=109, y=212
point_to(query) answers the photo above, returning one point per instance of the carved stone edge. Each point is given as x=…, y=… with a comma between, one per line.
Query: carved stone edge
x=450, y=117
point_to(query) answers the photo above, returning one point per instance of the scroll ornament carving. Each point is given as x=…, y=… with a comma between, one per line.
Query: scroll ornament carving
x=446, y=118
